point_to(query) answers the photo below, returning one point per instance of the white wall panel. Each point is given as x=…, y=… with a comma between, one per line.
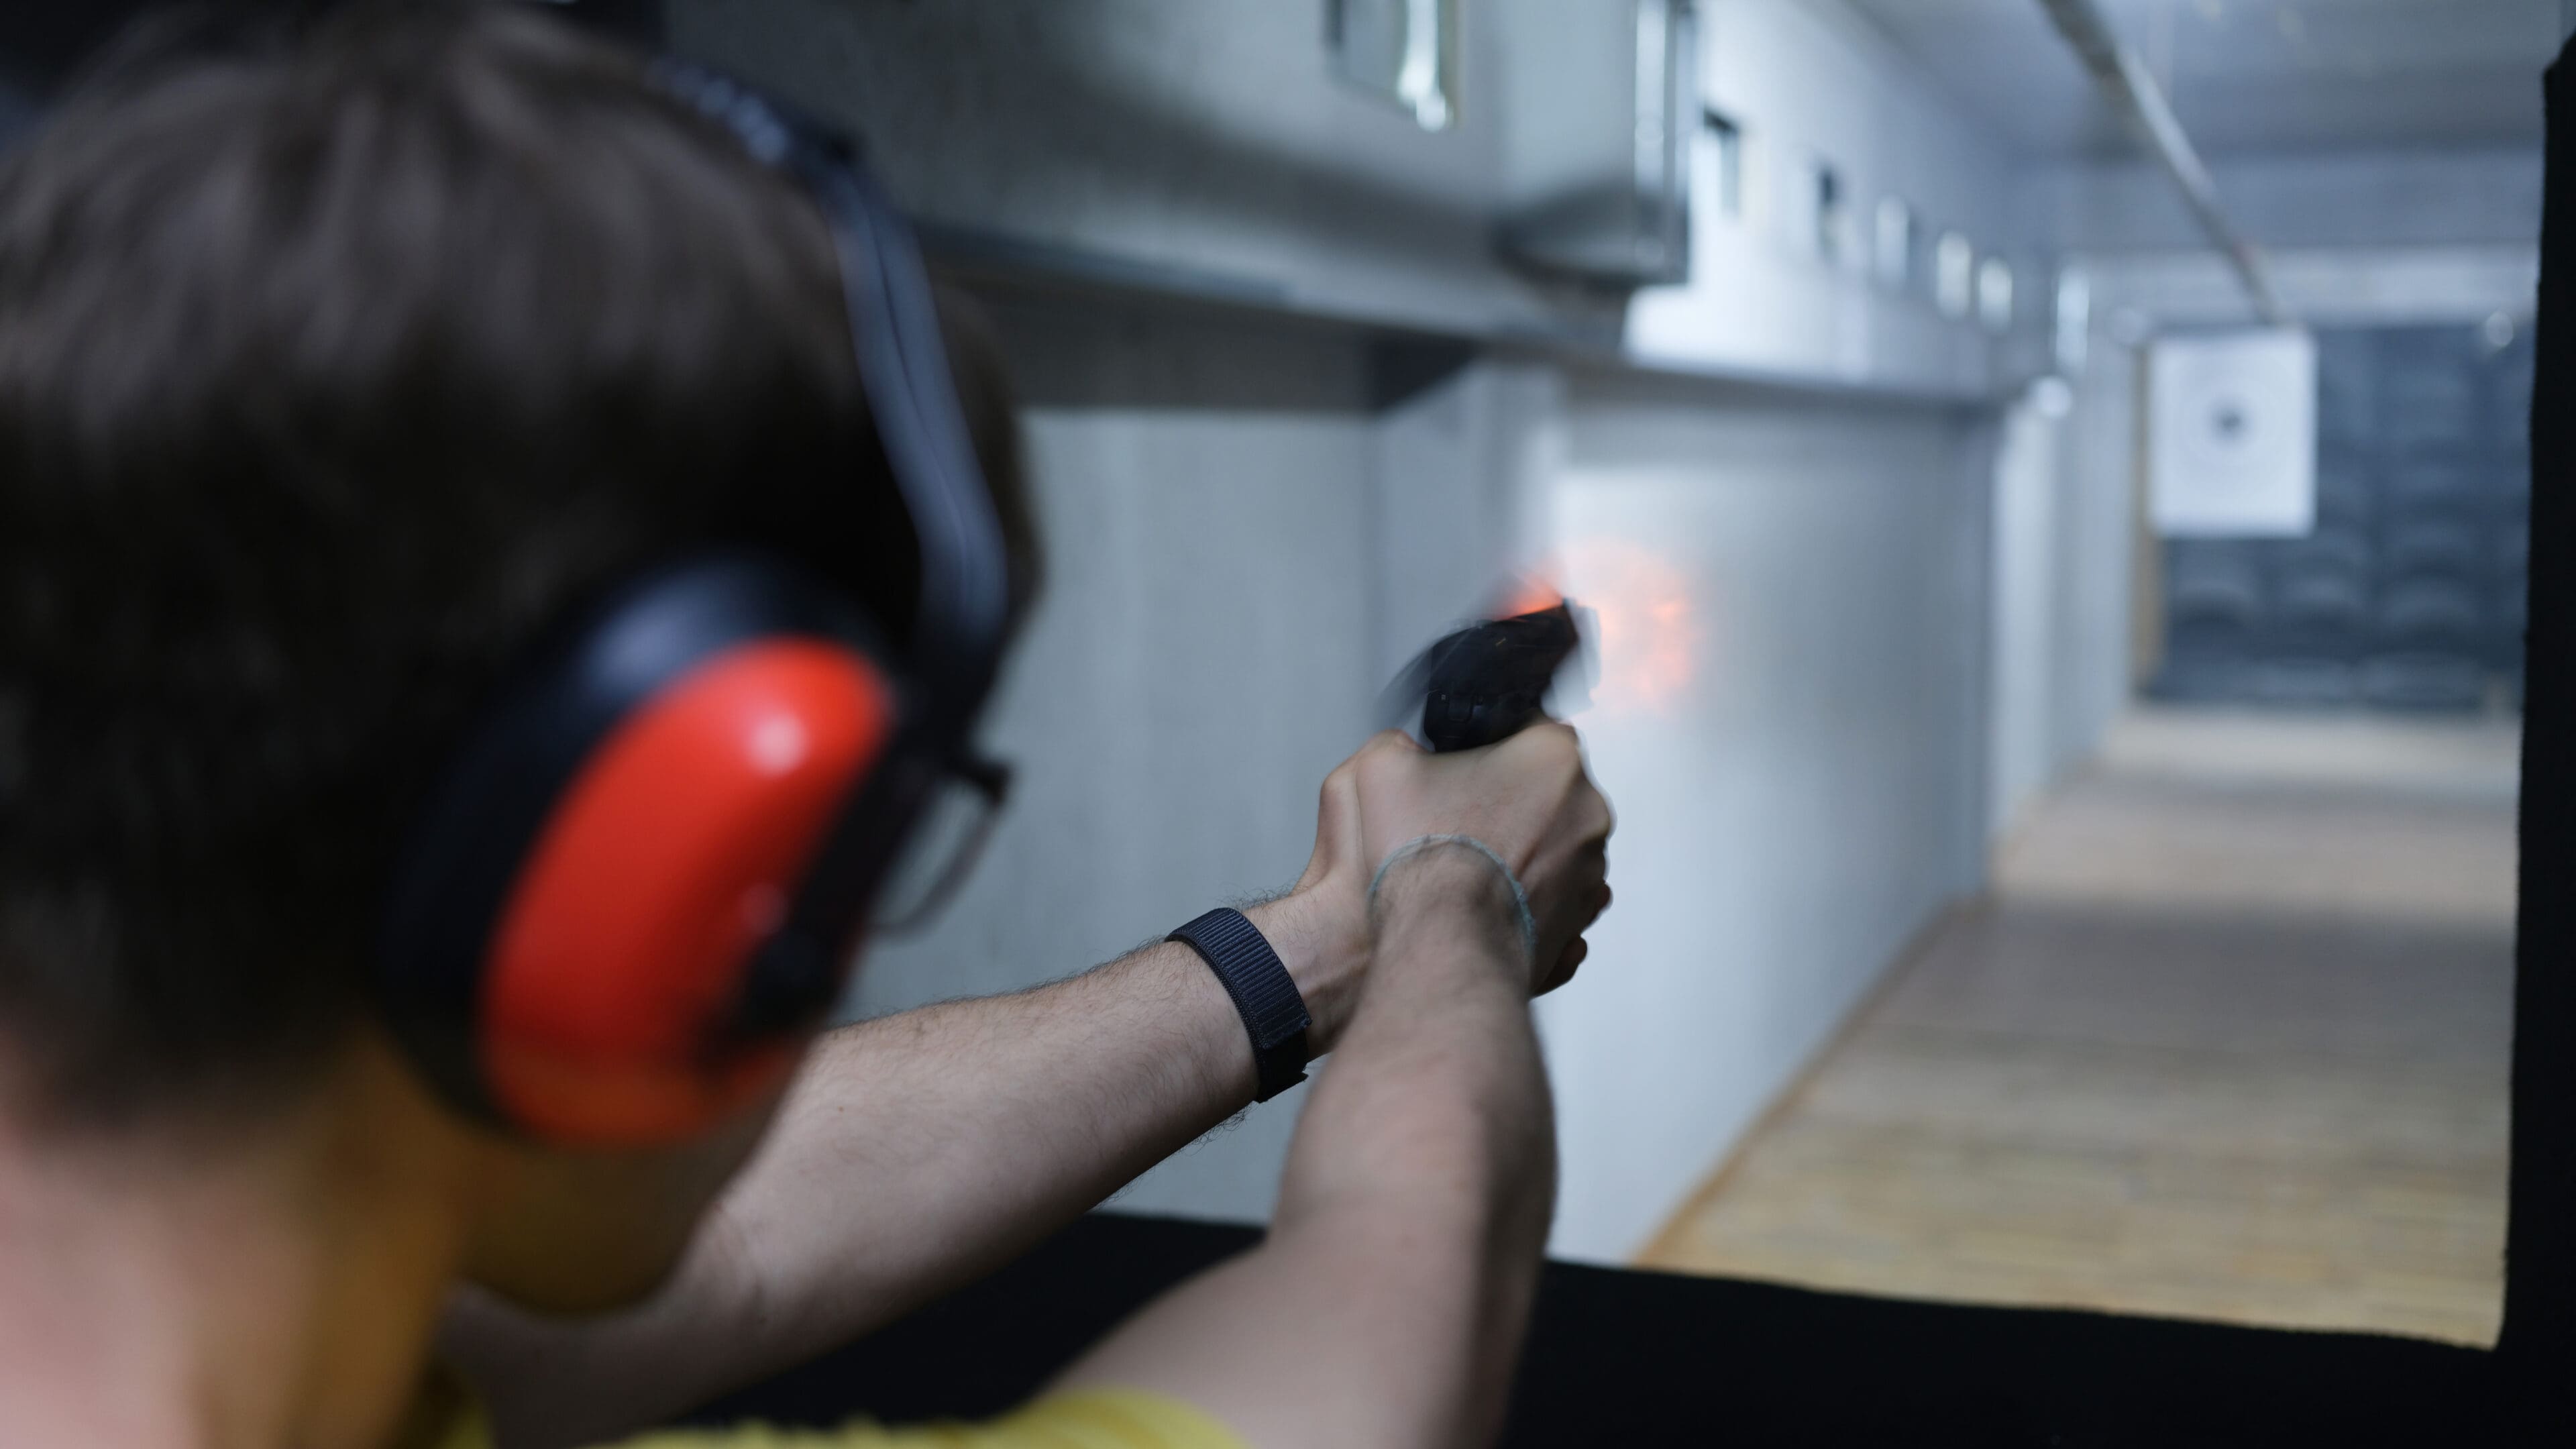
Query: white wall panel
x=1460, y=478
x=1202, y=656
x=1786, y=823
x=2024, y=560
x=1813, y=86
x=2413, y=198
x=1790, y=724
x=2326, y=286
x=1206, y=139
x=2093, y=614
x=1823, y=792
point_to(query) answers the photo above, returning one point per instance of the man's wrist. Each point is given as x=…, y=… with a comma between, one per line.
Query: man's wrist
x=1323, y=941
x=1444, y=892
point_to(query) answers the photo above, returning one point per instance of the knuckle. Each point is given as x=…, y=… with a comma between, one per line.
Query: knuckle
x=1553, y=746
x=1555, y=735
x=1388, y=742
x=1599, y=815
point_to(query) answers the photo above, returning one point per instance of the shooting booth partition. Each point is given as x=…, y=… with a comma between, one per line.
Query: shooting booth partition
x=1628, y=1357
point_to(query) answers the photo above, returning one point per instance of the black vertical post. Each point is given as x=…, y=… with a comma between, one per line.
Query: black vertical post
x=2540, y=1257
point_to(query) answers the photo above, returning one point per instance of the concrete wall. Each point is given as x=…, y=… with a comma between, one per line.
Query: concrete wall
x=1796, y=800
x=2359, y=199
x=2094, y=642
x=1156, y=441
x=1790, y=723
x=1807, y=798
x=2064, y=577
x=1812, y=86
x=1205, y=139
x=1208, y=145
x=2339, y=286
x=1803, y=587
x=2357, y=239
x=1170, y=721
x=2023, y=563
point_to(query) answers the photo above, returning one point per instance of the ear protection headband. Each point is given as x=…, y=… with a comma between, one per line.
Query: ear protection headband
x=640, y=881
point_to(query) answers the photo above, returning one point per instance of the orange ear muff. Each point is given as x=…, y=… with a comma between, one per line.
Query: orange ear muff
x=668, y=862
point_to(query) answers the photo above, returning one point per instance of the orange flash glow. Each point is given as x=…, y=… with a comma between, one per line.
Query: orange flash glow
x=1530, y=595
x=1648, y=624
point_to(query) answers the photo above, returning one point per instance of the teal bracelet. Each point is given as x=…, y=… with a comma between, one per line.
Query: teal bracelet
x=1520, y=898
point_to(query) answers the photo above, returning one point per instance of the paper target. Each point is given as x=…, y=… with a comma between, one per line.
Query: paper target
x=2232, y=438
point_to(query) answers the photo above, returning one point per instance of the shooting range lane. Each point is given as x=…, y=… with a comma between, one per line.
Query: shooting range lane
x=2229, y=1041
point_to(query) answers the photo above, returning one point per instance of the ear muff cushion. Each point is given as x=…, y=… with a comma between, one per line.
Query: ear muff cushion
x=674, y=854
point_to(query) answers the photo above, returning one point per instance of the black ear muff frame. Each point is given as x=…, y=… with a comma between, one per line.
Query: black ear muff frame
x=639, y=882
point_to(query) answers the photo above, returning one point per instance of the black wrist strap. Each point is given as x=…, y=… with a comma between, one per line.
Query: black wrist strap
x=1273, y=1012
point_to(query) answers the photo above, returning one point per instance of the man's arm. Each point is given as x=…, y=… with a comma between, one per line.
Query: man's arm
x=917, y=1152
x=1387, y=1306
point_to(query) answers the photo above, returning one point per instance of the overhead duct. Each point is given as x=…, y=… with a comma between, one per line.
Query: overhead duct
x=2124, y=77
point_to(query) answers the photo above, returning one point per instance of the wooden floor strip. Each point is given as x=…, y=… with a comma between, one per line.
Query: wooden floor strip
x=2229, y=1040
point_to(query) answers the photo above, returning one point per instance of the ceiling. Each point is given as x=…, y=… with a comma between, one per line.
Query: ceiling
x=2248, y=76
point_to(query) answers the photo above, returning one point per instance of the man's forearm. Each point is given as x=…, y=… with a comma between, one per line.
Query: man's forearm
x=916, y=1152
x=1405, y=1249
x=1438, y=1152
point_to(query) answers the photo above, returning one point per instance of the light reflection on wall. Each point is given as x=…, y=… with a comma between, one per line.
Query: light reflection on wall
x=1789, y=605
x=1648, y=627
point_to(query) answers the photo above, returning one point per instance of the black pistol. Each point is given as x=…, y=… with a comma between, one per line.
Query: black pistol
x=1487, y=681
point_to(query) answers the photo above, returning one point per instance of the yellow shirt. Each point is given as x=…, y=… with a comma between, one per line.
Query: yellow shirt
x=1085, y=1419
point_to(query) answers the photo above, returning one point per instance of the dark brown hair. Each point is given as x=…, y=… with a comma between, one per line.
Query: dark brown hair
x=337, y=359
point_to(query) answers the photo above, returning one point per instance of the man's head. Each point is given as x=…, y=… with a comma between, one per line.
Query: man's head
x=338, y=364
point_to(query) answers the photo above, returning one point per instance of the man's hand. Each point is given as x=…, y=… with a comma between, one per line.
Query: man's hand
x=1320, y=928
x=1528, y=797
x=1386, y=1306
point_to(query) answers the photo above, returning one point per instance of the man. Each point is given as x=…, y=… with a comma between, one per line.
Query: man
x=344, y=371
